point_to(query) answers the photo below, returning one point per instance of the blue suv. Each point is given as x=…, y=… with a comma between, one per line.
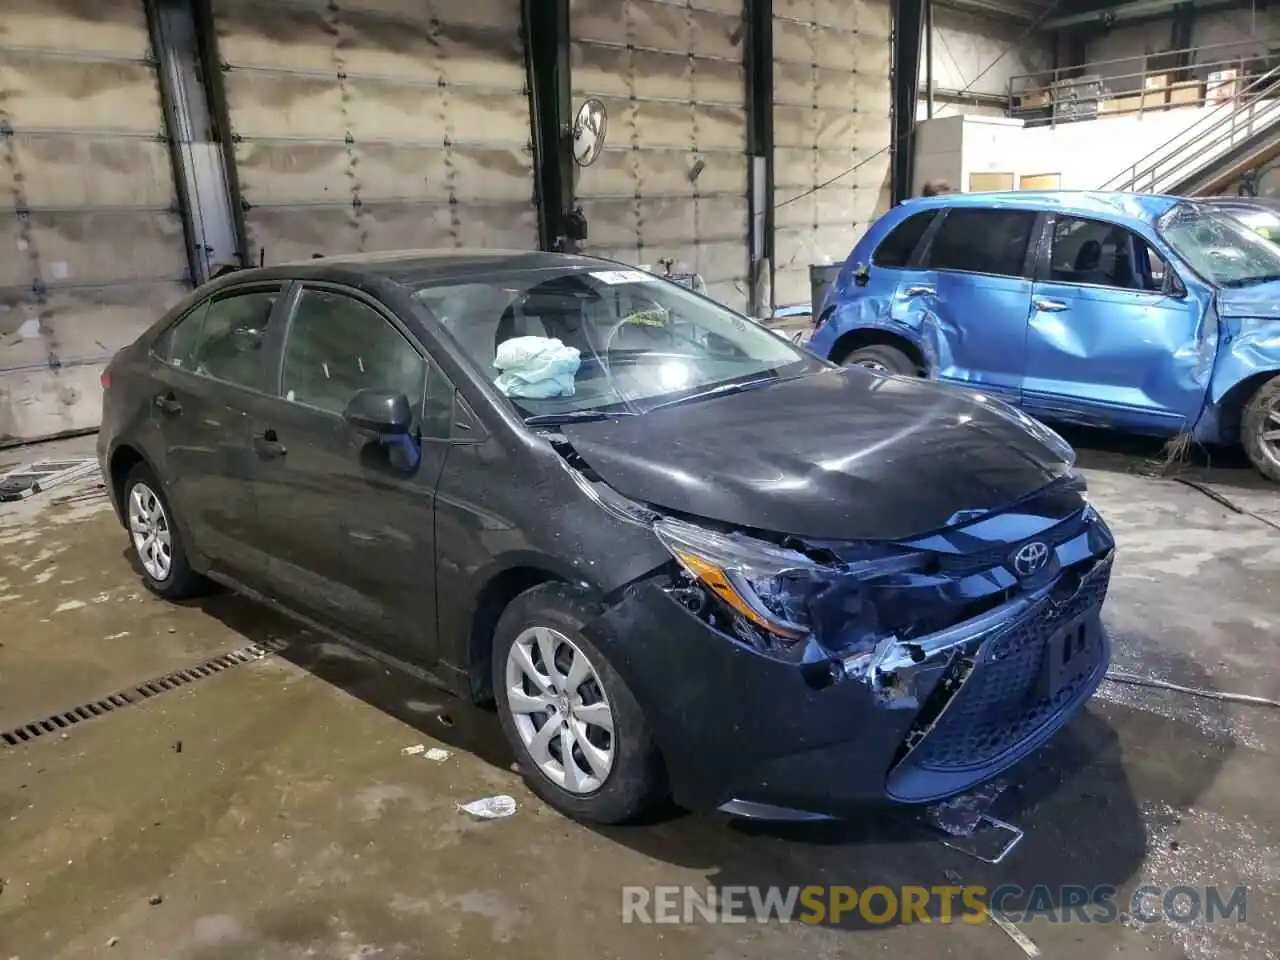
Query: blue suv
x=1149, y=314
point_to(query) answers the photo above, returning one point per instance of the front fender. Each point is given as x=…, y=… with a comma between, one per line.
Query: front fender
x=1248, y=347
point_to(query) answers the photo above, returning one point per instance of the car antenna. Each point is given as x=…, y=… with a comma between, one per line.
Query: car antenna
x=262, y=256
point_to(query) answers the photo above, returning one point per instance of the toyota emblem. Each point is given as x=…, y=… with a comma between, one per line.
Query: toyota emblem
x=1030, y=558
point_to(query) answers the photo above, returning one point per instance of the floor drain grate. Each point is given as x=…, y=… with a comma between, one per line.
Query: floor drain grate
x=143, y=691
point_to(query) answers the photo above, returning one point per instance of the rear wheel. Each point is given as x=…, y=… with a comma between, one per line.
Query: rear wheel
x=1260, y=429
x=882, y=358
x=579, y=735
x=157, y=544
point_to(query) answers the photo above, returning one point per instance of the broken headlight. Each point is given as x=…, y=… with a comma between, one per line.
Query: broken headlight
x=781, y=595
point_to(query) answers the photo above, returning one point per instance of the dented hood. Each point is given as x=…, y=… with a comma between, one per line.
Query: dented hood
x=842, y=454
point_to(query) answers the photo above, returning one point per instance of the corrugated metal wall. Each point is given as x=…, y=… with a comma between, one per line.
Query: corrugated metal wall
x=379, y=124
x=832, y=98
x=95, y=251
x=673, y=179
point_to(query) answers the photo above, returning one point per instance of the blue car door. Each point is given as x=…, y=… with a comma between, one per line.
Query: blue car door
x=975, y=283
x=1114, y=338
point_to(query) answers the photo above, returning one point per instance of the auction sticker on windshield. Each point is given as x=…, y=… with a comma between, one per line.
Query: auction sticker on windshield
x=614, y=277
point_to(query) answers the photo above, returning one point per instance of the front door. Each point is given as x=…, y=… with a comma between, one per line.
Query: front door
x=211, y=371
x=1113, y=339
x=351, y=517
x=974, y=284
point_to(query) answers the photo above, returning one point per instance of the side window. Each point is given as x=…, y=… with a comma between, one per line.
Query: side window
x=338, y=346
x=1102, y=254
x=982, y=241
x=222, y=338
x=895, y=250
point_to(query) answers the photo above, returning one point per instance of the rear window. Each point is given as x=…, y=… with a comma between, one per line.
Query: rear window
x=895, y=250
x=993, y=242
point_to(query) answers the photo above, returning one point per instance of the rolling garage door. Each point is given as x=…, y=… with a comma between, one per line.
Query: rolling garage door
x=832, y=99
x=364, y=125
x=672, y=181
x=94, y=249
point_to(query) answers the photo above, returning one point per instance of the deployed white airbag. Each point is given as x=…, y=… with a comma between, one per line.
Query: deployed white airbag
x=536, y=367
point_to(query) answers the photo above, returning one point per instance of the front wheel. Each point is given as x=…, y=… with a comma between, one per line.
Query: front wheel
x=882, y=358
x=579, y=735
x=1260, y=429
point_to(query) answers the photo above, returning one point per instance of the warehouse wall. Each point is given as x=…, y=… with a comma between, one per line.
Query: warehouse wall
x=95, y=248
x=673, y=179
x=378, y=124
x=831, y=121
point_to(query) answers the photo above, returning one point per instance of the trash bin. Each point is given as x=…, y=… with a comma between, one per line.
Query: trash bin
x=821, y=279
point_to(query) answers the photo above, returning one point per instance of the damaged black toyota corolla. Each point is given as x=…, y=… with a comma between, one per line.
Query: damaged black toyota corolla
x=681, y=555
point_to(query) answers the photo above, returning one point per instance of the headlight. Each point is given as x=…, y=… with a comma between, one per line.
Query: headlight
x=784, y=594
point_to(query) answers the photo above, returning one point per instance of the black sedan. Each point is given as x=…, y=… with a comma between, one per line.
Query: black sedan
x=682, y=555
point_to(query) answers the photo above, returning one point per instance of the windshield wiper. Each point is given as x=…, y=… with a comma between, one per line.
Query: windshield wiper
x=575, y=416
x=724, y=388
x=1252, y=281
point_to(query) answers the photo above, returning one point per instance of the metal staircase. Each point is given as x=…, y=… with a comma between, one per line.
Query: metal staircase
x=1224, y=143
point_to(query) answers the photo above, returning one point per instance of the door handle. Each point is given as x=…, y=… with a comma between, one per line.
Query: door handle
x=922, y=290
x=167, y=403
x=1047, y=305
x=268, y=445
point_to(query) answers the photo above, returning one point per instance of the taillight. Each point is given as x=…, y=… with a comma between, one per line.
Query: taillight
x=105, y=379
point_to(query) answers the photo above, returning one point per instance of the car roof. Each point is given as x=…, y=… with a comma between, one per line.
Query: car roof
x=415, y=268
x=1122, y=207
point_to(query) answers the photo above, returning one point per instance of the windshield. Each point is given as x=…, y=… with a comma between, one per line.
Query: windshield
x=1220, y=248
x=1265, y=223
x=574, y=342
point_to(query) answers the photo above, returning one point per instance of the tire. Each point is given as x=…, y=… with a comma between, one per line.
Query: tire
x=154, y=538
x=884, y=359
x=1262, y=417
x=551, y=616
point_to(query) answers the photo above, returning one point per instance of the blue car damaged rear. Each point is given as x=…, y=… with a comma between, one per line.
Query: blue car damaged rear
x=1146, y=314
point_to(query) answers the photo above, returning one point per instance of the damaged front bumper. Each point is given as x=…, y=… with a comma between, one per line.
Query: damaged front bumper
x=908, y=722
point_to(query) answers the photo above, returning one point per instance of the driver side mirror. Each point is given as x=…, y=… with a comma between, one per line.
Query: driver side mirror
x=383, y=412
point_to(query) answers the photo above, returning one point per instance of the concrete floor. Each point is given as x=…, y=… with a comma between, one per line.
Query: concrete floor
x=270, y=809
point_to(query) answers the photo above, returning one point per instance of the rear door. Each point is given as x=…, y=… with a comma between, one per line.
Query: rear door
x=1113, y=339
x=974, y=286
x=351, y=519
x=211, y=370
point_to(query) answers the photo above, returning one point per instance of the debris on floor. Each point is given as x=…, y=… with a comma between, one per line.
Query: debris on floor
x=32, y=478
x=490, y=808
x=961, y=815
x=414, y=750
x=438, y=755
x=1016, y=935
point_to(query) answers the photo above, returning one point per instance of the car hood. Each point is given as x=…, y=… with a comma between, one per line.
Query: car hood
x=843, y=454
x=1262, y=300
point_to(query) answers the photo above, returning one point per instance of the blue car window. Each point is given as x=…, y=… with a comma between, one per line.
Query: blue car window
x=896, y=249
x=1101, y=254
x=993, y=242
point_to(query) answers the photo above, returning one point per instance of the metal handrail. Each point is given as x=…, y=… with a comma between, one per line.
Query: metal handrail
x=1207, y=133
x=1074, y=72
x=1023, y=87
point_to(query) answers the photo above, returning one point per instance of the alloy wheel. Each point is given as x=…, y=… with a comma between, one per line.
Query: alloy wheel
x=1269, y=432
x=560, y=710
x=875, y=365
x=152, y=535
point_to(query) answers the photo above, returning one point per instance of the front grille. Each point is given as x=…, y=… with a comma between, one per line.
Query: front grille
x=1000, y=703
x=964, y=564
